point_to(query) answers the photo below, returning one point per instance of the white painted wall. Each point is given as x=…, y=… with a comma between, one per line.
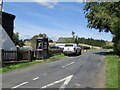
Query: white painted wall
x=5, y=41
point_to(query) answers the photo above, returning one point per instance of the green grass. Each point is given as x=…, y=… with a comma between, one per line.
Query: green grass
x=22, y=65
x=112, y=71
x=57, y=56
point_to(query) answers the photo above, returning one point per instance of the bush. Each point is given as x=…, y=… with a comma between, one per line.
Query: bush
x=108, y=47
x=118, y=48
x=116, y=41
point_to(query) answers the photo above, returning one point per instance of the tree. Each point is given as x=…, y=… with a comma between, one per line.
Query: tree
x=42, y=35
x=105, y=16
x=33, y=39
x=21, y=43
x=16, y=38
x=73, y=34
x=50, y=40
x=17, y=41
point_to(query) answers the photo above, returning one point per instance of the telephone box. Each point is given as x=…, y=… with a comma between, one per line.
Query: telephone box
x=41, y=48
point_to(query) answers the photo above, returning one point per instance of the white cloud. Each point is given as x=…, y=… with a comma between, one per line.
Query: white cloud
x=47, y=3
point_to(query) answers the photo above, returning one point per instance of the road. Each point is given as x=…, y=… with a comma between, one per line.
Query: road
x=84, y=71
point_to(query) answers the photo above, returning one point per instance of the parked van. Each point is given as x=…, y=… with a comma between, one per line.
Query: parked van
x=72, y=49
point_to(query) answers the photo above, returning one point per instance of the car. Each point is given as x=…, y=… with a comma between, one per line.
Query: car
x=72, y=49
x=60, y=45
x=54, y=47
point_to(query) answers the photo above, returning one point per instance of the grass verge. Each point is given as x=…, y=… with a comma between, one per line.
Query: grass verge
x=112, y=71
x=22, y=65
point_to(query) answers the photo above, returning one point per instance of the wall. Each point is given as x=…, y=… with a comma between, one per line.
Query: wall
x=8, y=23
x=5, y=41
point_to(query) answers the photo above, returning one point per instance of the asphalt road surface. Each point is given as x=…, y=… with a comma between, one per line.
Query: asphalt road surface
x=84, y=71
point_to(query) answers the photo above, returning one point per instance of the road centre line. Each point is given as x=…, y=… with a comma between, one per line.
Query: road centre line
x=19, y=85
x=68, y=64
x=36, y=78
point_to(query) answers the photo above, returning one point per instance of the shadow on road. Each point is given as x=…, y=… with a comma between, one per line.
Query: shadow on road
x=101, y=53
x=105, y=53
x=72, y=55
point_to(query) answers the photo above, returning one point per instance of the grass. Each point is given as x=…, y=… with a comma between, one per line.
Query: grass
x=112, y=71
x=57, y=56
x=22, y=65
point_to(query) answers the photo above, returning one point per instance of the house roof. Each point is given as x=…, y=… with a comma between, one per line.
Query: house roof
x=8, y=15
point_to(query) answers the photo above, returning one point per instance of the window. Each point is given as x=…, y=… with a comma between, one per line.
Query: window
x=68, y=45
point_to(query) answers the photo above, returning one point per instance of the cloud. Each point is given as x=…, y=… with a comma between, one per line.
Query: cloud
x=47, y=3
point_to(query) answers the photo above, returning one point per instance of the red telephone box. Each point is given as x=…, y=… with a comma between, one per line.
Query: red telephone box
x=41, y=48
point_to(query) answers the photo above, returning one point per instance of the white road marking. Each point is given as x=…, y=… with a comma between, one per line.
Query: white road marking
x=19, y=85
x=68, y=64
x=36, y=78
x=66, y=79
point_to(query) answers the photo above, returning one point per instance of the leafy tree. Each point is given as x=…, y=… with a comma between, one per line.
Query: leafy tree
x=33, y=39
x=50, y=40
x=105, y=16
x=42, y=35
x=73, y=34
x=21, y=43
x=90, y=41
x=16, y=40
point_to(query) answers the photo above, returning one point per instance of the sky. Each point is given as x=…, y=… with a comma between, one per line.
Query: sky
x=56, y=19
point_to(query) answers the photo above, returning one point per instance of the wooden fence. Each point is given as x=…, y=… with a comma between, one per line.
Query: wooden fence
x=54, y=52
x=11, y=57
x=16, y=56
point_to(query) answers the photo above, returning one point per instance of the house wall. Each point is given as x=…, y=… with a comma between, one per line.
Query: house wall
x=8, y=23
x=5, y=41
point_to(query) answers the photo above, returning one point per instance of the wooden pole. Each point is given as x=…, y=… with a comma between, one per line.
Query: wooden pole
x=1, y=58
x=30, y=55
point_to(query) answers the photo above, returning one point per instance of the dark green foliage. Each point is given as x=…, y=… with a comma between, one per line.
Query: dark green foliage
x=50, y=41
x=16, y=40
x=116, y=41
x=93, y=42
x=73, y=34
x=108, y=47
x=105, y=16
x=21, y=43
x=90, y=41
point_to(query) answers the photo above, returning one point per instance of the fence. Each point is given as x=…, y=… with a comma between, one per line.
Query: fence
x=16, y=56
x=54, y=52
x=8, y=57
